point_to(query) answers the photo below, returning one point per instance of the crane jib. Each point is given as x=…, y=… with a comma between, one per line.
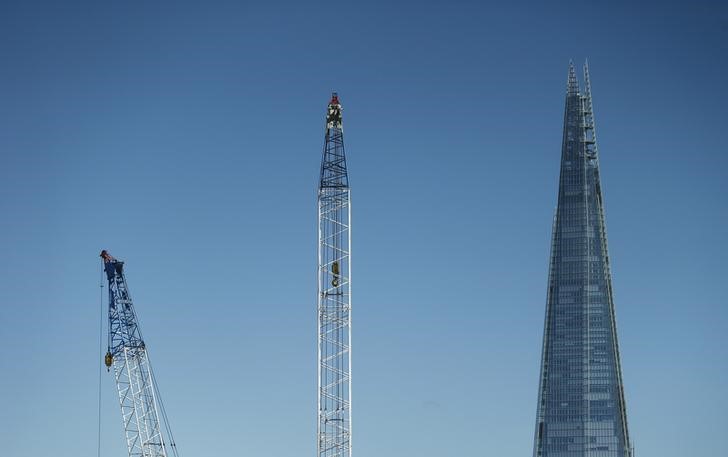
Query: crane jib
x=146, y=427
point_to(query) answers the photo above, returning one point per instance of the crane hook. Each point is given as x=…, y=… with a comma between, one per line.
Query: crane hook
x=335, y=271
x=108, y=360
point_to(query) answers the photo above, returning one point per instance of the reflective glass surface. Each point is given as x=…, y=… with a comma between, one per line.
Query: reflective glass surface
x=581, y=409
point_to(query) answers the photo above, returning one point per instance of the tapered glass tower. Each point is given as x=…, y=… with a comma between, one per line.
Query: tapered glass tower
x=581, y=409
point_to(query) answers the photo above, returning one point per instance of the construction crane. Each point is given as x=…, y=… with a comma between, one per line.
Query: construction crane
x=142, y=409
x=334, y=293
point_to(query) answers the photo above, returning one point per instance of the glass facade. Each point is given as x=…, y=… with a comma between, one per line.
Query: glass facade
x=581, y=410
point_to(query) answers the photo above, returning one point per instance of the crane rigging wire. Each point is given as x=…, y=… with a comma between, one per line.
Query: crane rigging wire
x=165, y=420
x=101, y=352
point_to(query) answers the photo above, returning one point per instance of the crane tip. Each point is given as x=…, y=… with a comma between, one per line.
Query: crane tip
x=105, y=256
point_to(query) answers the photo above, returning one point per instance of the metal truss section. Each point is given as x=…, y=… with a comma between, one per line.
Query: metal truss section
x=138, y=396
x=334, y=294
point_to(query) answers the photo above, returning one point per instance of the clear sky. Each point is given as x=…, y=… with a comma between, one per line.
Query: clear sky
x=185, y=138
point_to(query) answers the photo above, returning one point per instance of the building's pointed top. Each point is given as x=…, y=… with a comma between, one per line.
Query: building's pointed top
x=572, y=85
x=587, y=83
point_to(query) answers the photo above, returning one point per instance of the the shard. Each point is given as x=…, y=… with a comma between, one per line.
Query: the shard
x=581, y=409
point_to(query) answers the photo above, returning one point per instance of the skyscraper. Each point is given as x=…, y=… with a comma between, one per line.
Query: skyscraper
x=581, y=410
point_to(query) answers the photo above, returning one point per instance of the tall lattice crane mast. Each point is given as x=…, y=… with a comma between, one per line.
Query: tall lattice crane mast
x=334, y=293
x=138, y=393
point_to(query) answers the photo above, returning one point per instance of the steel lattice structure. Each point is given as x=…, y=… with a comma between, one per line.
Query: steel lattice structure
x=334, y=293
x=138, y=393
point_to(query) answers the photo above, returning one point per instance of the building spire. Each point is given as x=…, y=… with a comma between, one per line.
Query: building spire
x=572, y=85
x=587, y=82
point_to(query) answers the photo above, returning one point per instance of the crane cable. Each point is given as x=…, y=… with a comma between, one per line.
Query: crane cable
x=101, y=339
x=165, y=420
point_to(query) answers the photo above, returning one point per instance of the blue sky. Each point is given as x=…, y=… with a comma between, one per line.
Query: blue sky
x=185, y=138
